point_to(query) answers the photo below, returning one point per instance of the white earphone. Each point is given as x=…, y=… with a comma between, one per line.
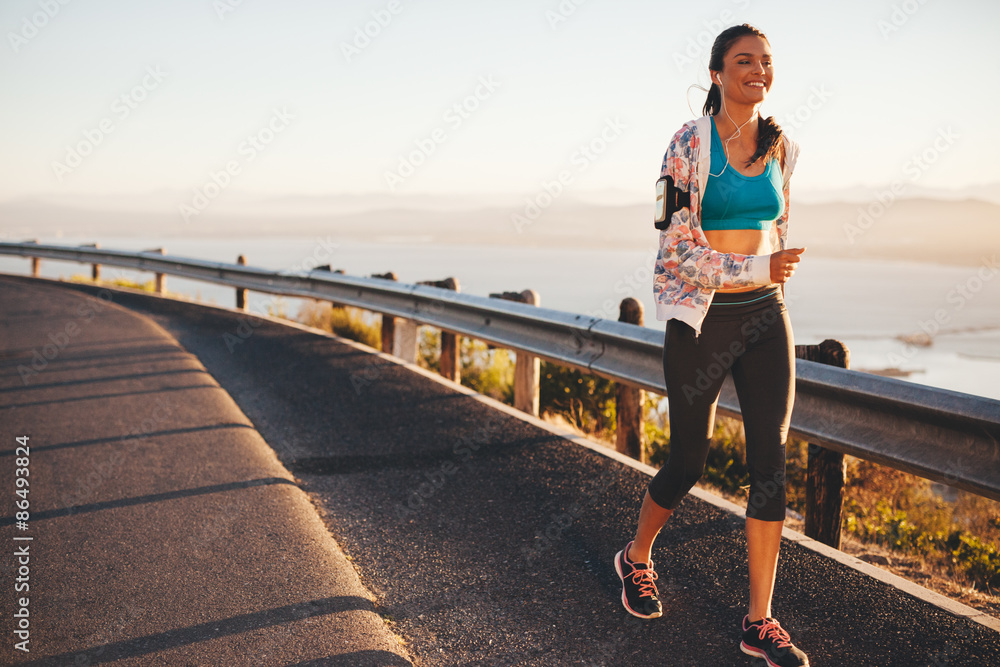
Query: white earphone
x=722, y=96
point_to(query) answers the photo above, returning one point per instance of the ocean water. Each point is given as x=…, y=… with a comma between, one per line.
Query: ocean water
x=884, y=311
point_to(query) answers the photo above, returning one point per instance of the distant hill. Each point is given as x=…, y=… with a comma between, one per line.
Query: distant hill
x=921, y=229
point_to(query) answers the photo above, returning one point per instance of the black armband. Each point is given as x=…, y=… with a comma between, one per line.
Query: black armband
x=669, y=200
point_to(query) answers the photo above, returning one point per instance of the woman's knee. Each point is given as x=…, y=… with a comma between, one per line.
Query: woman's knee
x=768, y=497
x=670, y=484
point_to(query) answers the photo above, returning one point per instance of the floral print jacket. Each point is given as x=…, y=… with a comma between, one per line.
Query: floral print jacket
x=688, y=270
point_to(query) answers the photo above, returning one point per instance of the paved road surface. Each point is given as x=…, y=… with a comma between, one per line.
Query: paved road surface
x=165, y=530
x=486, y=540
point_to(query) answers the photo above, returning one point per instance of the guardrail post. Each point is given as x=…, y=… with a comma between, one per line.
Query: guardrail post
x=629, y=399
x=450, y=364
x=160, y=278
x=404, y=339
x=527, y=367
x=36, y=262
x=827, y=470
x=327, y=268
x=404, y=343
x=95, y=269
x=241, y=292
x=388, y=321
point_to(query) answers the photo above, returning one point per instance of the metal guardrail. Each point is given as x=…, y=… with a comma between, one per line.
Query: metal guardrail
x=947, y=436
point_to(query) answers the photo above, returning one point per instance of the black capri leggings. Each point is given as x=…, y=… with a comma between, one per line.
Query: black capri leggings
x=750, y=334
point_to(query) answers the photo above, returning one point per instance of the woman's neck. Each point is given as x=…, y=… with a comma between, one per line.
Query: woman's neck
x=727, y=128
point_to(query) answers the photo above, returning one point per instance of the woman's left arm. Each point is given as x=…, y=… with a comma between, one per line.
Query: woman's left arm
x=782, y=226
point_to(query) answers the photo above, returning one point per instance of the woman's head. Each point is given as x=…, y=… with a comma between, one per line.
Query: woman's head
x=740, y=54
x=741, y=69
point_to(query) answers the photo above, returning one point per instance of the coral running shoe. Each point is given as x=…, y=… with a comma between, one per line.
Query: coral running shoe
x=767, y=639
x=638, y=586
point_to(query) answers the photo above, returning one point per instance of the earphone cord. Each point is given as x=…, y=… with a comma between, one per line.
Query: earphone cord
x=725, y=149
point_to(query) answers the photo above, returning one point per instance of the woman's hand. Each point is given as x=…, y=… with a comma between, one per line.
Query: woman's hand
x=783, y=264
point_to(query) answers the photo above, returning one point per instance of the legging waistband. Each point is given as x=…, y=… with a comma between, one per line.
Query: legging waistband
x=748, y=296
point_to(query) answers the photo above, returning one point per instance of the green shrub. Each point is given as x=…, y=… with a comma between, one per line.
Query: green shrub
x=490, y=372
x=979, y=560
x=347, y=322
x=586, y=400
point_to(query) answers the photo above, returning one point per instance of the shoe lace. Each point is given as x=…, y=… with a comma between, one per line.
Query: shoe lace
x=773, y=630
x=643, y=578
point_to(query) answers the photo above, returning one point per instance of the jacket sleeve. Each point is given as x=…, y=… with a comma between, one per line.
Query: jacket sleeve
x=685, y=251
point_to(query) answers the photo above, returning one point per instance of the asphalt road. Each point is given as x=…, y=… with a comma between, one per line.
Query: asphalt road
x=164, y=530
x=486, y=540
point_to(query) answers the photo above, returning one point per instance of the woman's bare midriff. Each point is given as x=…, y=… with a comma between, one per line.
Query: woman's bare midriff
x=743, y=241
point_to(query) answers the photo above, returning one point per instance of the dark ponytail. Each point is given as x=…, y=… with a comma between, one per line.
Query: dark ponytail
x=769, y=142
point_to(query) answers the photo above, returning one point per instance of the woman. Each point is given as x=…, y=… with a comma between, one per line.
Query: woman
x=719, y=284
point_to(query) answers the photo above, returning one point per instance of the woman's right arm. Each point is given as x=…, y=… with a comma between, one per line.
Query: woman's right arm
x=687, y=253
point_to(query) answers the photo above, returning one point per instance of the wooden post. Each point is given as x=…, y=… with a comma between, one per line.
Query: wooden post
x=95, y=269
x=405, y=342
x=388, y=321
x=450, y=363
x=399, y=335
x=329, y=269
x=36, y=262
x=629, y=399
x=527, y=367
x=160, y=278
x=827, y=471
x=241, y=292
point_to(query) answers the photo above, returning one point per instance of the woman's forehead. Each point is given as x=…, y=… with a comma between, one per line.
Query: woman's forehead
x=749, y=45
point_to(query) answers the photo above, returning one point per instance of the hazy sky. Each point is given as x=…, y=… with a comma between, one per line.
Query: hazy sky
x=125, y=97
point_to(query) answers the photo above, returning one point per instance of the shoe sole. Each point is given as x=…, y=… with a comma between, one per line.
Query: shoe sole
x=621, y=576
x=757, y=653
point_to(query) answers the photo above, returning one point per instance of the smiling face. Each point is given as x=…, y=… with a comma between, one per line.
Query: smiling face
x=747, y=71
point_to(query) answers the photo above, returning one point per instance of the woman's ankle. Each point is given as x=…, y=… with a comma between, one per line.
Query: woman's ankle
x=629, y=553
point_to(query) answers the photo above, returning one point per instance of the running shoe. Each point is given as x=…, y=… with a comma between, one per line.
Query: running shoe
x=767, y=639
x=638, y=586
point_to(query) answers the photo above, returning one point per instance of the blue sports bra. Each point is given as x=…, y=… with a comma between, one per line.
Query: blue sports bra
x=735, y=201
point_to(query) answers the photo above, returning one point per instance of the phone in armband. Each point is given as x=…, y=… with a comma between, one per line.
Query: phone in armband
x=669, y=199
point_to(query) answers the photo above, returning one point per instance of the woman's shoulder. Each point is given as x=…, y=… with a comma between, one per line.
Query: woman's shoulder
x=687, y=134
x=790, y=153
